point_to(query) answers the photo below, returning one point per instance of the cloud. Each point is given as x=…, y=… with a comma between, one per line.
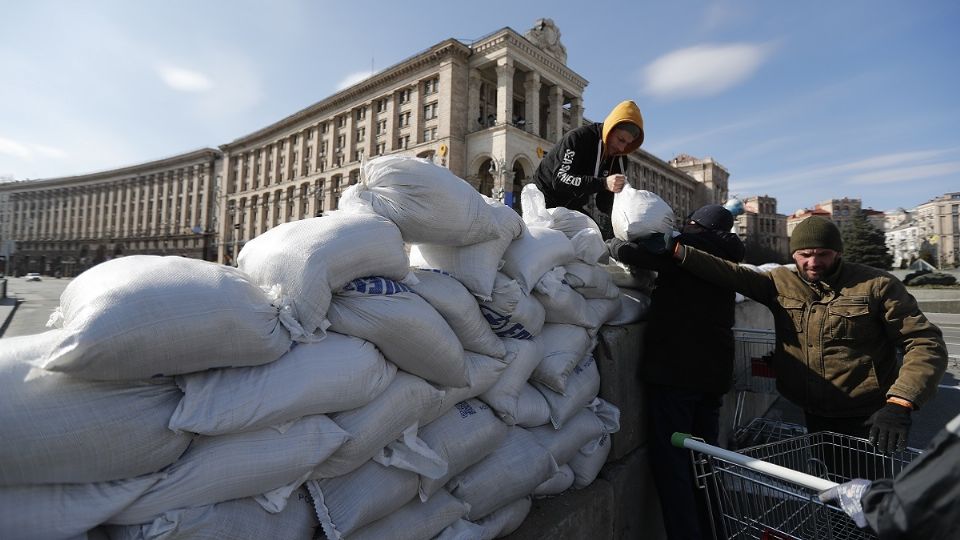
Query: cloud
x=353, y=79
x=703, y=70
x=28, y=151
x=904, y=174
x=184, y=80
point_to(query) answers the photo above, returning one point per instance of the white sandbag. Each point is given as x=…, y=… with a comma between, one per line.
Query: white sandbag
x=582, y=386
x=217, y=469
x=512, y=313
x=416, y=520
x=474, y=265
x=513, y=470
x=371, y=427
x=65, y=511
x=561, y=481
x=588, y=246
x=463, y=436
x=505, y=519
x=142, y=316
x=61, y=429
x=229, y=520
x=417, y=195
x=571, y=222
x=532, y=408
x=348, y=502
x=523, y=356
x=634, y=306
x=561, y=303
x=638, y=213
x=602, y=311
x=484, y=372
x=534, y=253
x=406, y=329
x=311, y=258
x=461, y=529
x=337, y=374
x=586, y=465
x=459, y=308
x=534, y=207
x=564, y=345
x=564, y=443
x=590, y=280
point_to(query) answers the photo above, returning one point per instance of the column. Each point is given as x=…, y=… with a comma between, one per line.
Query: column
x=505, y=72
x=531, y=89
x=473, y=100
x=555, y=131
x=576, y=112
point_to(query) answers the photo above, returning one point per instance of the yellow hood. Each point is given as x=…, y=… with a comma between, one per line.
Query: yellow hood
x=626, y=111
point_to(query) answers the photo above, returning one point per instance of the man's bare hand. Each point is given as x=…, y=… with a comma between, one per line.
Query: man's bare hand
x=615, y=182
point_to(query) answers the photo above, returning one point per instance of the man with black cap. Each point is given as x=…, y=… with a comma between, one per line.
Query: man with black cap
x=839, y=328
x=687, y=363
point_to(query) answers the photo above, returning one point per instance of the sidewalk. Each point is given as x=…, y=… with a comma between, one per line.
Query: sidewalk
x=7, y=307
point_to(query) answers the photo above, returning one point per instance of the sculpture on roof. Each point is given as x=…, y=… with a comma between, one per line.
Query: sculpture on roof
x=546, y=35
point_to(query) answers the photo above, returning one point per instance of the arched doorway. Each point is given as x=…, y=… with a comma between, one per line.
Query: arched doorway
x=486, y=176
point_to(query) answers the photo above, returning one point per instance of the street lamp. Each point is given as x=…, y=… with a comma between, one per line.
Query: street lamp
x=496, y=170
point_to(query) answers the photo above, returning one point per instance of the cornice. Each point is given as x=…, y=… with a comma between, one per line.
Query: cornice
x=358, y=92
x=195, y=157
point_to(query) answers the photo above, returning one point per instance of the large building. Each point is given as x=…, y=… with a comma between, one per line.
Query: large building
x=938, y=223
x=760, y=226
x=487, y=110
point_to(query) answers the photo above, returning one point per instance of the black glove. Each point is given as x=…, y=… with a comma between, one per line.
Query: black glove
x=889, y=427
x=658, y=243
x=613, y=246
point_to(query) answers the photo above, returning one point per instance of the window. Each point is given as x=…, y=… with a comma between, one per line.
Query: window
x=381, y=105
x=340, y=141
x=381, y=149
x=358, y=154
x=429, y=134
x=341, y=121
x=361, y=134
x=404, y=119
x=361, y=113
x=430, y=111
x=405, y=95
x=323, y=127
x=430, y=86
x=293, y=139
x=403, y=141
x=381, y=127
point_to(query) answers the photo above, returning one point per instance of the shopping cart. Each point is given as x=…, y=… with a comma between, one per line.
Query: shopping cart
x=752, y=374
x=771, y=491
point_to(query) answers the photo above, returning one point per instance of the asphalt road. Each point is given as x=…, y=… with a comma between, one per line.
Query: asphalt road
x=39, y=298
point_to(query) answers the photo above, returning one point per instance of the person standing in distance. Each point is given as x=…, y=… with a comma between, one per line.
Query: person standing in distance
x=591, y=160
x=839, y=328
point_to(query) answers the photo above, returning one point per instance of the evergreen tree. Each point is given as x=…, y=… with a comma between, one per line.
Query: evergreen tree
x=865, y=244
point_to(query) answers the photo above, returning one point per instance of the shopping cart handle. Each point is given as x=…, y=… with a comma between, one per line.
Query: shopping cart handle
x=685, y=440
x=677, y=438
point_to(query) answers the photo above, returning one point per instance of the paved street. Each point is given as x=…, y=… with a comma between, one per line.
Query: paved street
x=37, y=300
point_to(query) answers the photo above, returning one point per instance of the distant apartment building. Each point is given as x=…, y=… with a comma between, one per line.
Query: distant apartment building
x=487, y=110
x=903, y=241
x=795, y=218
x=938, y=222
x=761, y=225
x=841, y=211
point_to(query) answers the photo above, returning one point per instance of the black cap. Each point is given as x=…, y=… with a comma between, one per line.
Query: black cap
x=713, y=216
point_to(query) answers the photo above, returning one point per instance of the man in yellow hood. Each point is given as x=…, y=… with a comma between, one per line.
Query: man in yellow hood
x=590, y=160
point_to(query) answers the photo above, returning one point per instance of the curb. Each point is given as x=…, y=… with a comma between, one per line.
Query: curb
x=9, y=317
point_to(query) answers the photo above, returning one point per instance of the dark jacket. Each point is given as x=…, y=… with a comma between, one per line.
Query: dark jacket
x=573, y=170
x=923, y=501
x=689, y=338
x=837, y=341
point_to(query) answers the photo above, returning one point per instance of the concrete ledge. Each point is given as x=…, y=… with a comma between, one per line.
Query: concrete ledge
x=638, y=506
x=573, y=515
x=618, y=355
x=939, y=306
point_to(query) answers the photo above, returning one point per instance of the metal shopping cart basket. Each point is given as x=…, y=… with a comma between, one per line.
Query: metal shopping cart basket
x=752, y=374
x=771, y=491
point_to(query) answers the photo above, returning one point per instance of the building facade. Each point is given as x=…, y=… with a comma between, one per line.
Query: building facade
x=63, y=226
x=488, y=111
x=938, y=221
x=761, y=225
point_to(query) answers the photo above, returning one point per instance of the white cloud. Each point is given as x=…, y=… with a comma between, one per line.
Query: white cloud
x=353, y=79
x=703, y=70
x=905, y=174
x=184, y=80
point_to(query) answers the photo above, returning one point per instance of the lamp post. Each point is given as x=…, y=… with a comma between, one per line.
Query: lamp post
x=496, y=171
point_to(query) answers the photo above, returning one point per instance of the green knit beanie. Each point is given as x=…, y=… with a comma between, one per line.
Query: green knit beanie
x=816, y=232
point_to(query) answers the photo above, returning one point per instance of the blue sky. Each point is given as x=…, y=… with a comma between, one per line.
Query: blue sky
x=802, y=101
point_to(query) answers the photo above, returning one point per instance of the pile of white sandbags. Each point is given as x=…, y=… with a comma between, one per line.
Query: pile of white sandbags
x=182, y=399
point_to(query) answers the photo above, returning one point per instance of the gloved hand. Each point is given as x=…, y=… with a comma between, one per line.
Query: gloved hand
x=889, y=427
x=658, y=243
x=613, y=247
x=848, y=495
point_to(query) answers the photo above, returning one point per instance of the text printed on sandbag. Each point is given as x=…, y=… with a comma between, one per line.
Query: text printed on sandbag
x=376, y=285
